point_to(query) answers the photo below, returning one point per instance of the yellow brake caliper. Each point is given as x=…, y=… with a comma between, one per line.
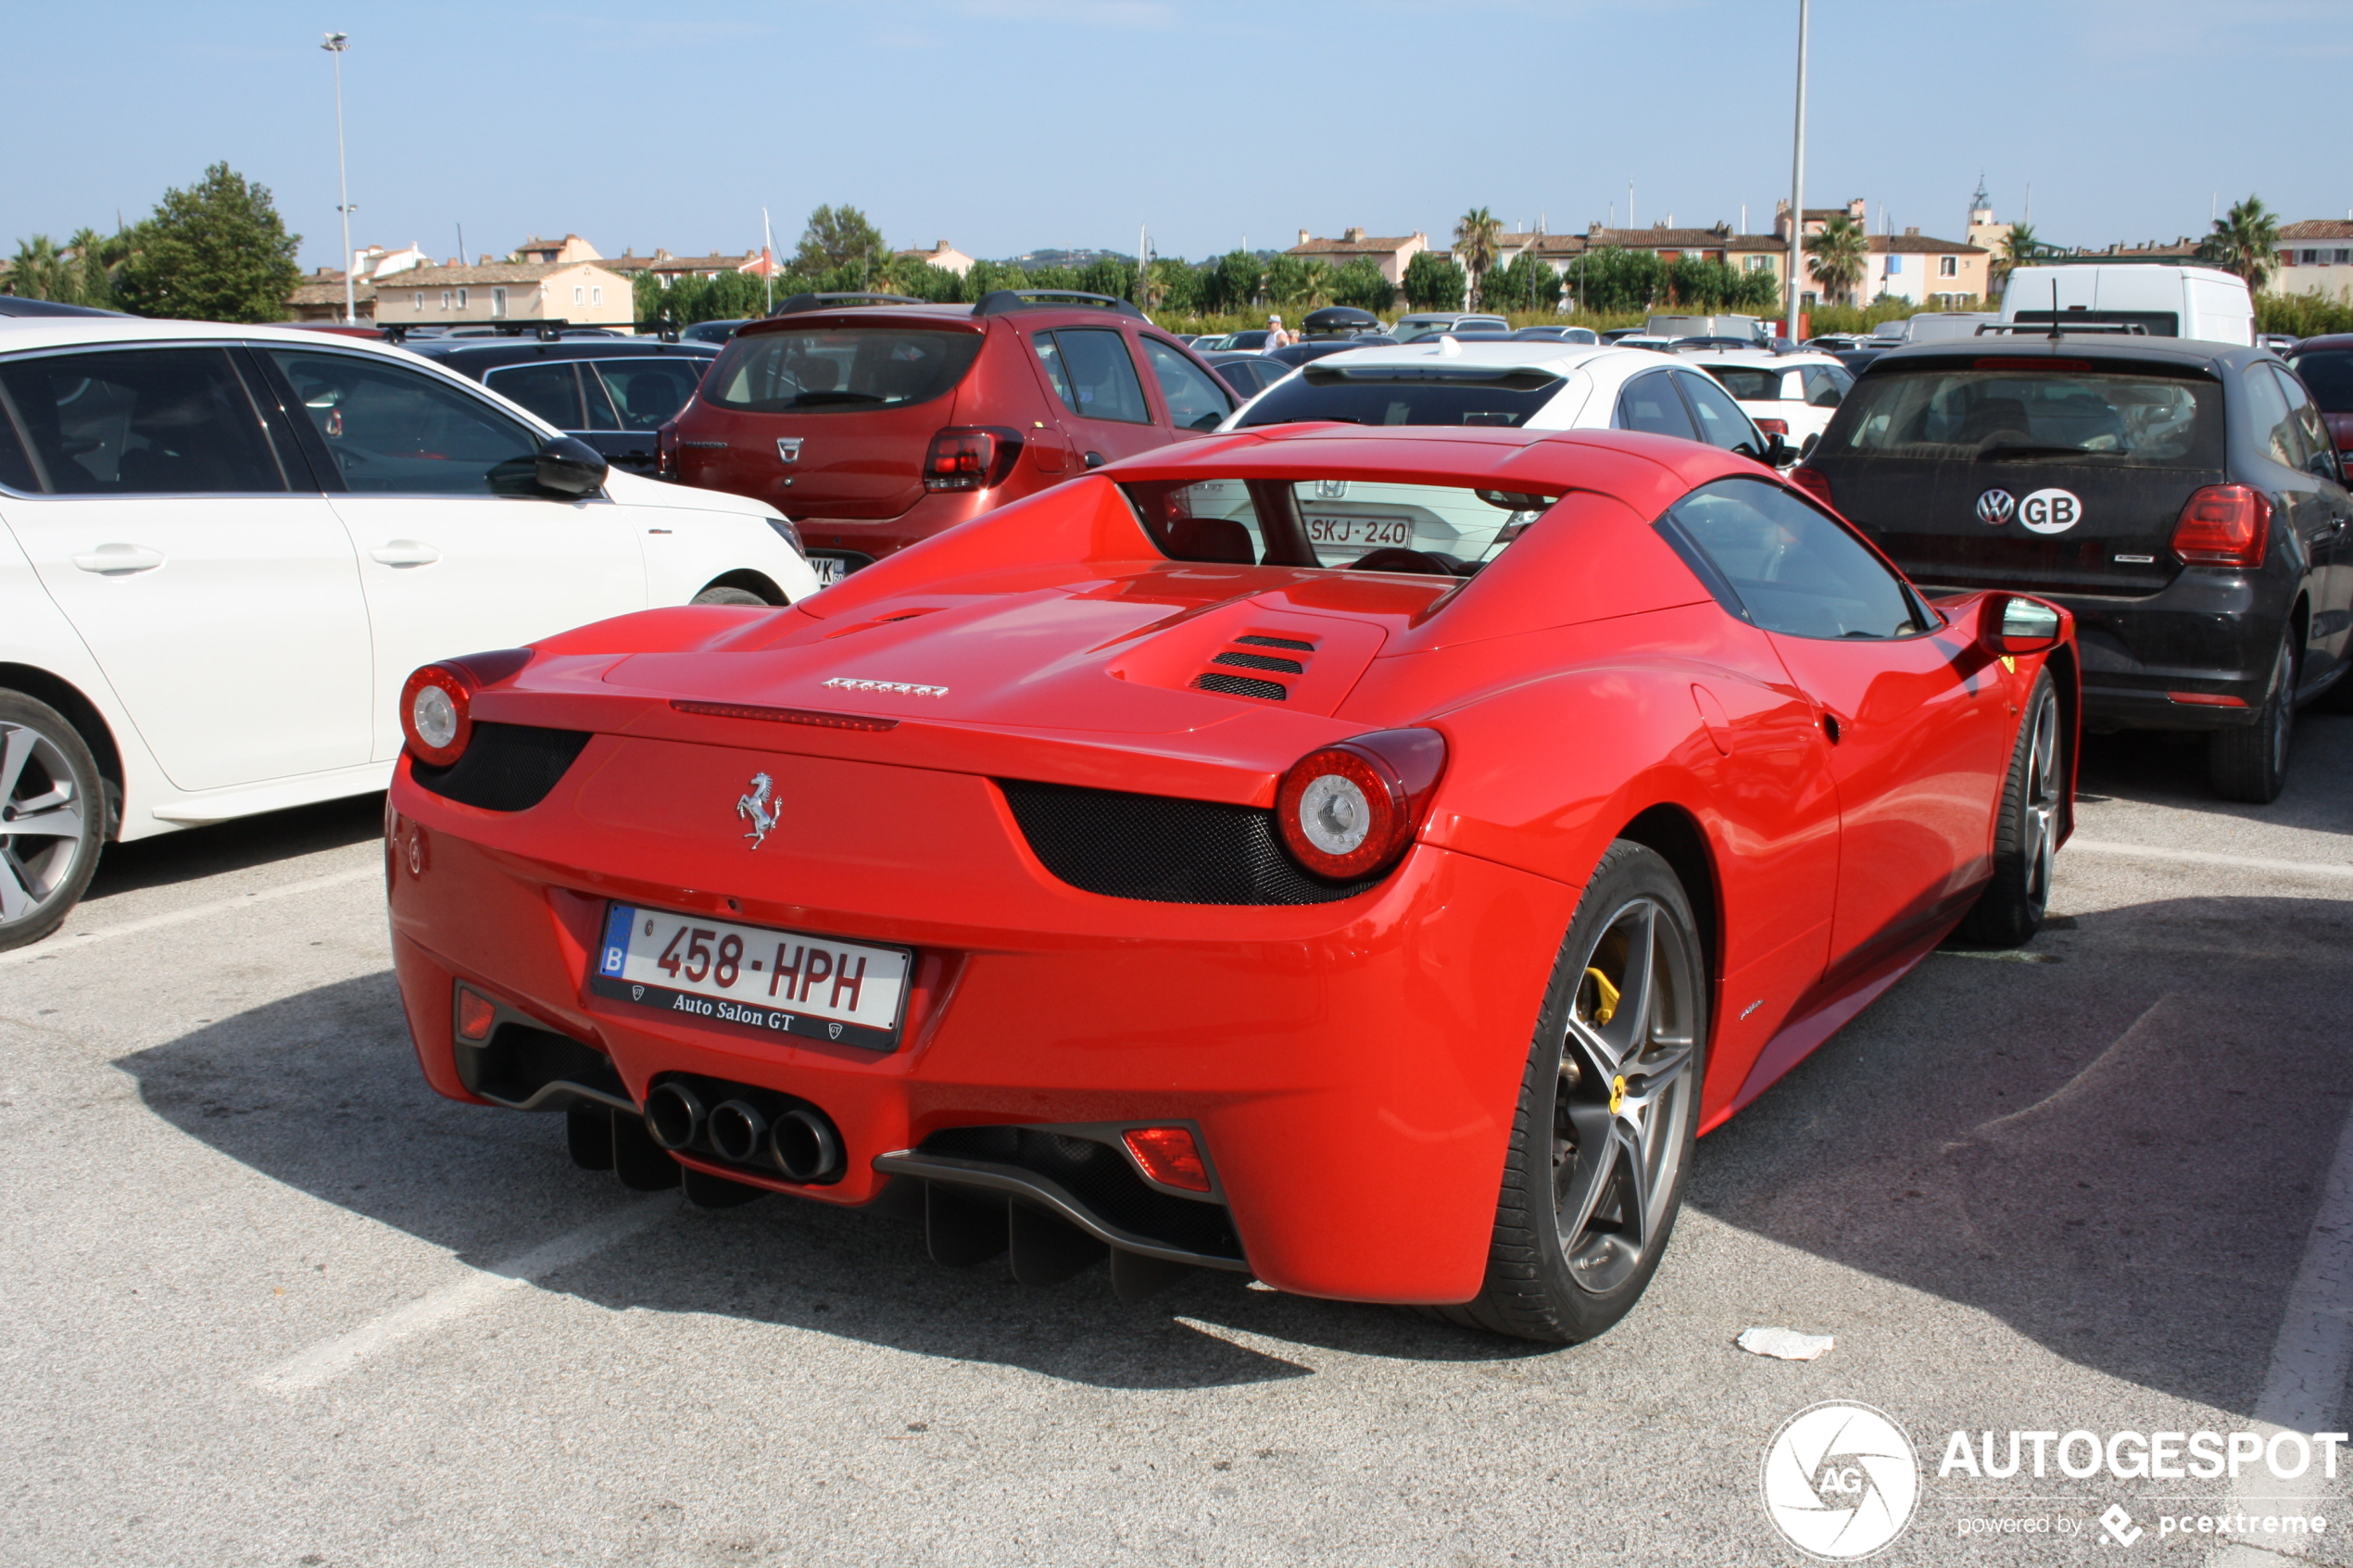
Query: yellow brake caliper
x=1605, y=1008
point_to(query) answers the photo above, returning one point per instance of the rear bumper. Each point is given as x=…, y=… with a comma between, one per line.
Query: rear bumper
x=2211, y=632
x=936, y=513
x=1351, y=1068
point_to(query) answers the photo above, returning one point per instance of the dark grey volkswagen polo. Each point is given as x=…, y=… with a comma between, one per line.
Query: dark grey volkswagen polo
x=2182, y=498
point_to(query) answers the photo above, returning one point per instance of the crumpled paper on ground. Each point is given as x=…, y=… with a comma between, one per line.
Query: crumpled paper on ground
x=1783, y=1344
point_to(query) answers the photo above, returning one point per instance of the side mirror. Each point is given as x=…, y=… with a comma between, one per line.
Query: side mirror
x=2017, y=626
x=1779, y=453
x=571, y=467
x=1807, y=450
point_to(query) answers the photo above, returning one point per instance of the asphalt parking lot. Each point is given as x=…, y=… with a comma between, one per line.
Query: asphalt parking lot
x=269, y=1300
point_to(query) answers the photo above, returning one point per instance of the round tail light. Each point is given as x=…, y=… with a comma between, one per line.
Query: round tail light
x=437, y=703
x=1349, y=810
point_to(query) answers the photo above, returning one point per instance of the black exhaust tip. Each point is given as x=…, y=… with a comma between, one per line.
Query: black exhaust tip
x=737, y=1131
x=805, y=1146
x=673, y=1115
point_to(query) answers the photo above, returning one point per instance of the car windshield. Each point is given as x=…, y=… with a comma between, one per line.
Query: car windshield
x=839, y=369
x=1427, y=529
x=2329, y=373
x=1407, y=395
x=2019, y=411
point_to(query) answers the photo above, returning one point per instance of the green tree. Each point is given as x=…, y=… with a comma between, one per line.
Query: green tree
x=838, y=238
x=94, y=258
x=1360, y=283
x=1839, y=252
x=1478, y=237
x=1526, y=284
x=2020, y=248
x=38, y=271
x=1613, y=281
x=1433, y=282
x=1232, y=282
x=217, y=251
x=2246, y=240
x=729, y=297
x=1298, y=281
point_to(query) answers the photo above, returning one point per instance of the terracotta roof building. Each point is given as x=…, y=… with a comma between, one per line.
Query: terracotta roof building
x=584, y=292
x=1392, y=255
x=2315, y=256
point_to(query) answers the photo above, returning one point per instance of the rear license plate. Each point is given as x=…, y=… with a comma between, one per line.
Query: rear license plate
x=830, y=570
x=1365, y=532
x=753, y=978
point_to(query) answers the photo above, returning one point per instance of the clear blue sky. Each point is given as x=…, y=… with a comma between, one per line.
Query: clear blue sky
x=1007, y=125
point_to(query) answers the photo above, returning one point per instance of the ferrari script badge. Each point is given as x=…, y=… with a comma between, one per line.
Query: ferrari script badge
x=754, y=808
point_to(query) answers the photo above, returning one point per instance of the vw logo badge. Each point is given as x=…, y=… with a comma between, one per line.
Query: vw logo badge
x=1995, y=508
x=788, y=448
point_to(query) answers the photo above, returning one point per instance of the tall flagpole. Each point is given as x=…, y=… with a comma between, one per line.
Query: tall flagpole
x=1797, y=184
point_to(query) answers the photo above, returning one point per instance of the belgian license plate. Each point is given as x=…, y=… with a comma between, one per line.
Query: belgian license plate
x=753, y=978
x=1365, y=533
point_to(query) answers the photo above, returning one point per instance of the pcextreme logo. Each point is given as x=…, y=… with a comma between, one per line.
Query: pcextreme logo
x=1840, y=1481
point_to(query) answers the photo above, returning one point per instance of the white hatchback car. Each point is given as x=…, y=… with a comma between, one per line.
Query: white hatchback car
x=1526, y=384
x=223, y=550
x=1787, y=394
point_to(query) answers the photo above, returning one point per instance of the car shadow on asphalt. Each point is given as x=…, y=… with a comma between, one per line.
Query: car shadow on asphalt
x=2157, y=768
x=322, y=1092
x=237, y=845
x=2117, y=1152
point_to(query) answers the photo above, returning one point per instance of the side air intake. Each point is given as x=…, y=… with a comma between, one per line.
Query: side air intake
x=1274, y=662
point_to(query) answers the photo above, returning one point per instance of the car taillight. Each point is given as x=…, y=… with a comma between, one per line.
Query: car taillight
x=2223, y=525
x=1349, y=810
x=1773, y=427
x=970, y=457
x=436, y=702
x=1169, y=1156
x=666, y=450
x=1814, y=481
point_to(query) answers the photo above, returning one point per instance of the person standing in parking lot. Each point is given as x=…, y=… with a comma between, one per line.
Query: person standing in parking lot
x=1275, y=336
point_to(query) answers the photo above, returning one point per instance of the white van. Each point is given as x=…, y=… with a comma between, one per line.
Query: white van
x=2163, y=299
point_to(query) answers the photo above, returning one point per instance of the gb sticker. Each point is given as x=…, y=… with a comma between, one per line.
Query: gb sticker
x=2051, y=511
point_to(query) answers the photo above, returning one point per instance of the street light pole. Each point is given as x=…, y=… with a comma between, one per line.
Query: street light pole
x=1797, y=184
x=335, y=44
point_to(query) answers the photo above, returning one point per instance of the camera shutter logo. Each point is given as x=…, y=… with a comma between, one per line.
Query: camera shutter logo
x=1840, y=1481
x=1995, y=507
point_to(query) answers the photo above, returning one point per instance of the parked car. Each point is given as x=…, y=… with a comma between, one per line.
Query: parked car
x=2204, y=303
x=1615, y=334
x=2181, y=497
x=2326, y=366
x=614, y=394
x=1127, y=910
x=1216, y=343
x=223, y=549
x=1787, y=394
x=1557, y=334
x=21, y=307
x=1834, y=343
x=1716, y=344
x=2280, y=344
x=1644, y=340
x=1293, y=355
x=1746, y=331
x=1429, y=323
x=714, y=331
x=875, y=426
x=1254, y=338
x=1248, y=374
x=1339, y=320
x=1506, y=385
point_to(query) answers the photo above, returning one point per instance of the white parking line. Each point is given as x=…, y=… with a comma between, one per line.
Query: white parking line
x=322, y=1363
x=2332, y=869
x=62, y=944
x=2304, y=1388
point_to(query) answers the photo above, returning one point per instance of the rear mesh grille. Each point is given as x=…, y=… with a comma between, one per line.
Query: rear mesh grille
x=1242, y=685
x=1260, y=661
x=1163, y=850
x=1256, y=641
x=504, y=767
x=1100, y=1178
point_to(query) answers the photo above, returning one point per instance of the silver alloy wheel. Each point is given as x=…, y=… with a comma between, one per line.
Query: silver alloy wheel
x=2043, y=786
x=41, y=821
x=1626, y=1094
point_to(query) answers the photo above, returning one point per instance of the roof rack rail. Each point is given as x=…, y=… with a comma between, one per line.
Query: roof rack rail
x=2046, y=329
x=997, y=302
x=801, y=302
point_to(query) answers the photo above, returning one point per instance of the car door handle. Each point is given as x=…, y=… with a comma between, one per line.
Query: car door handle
x=111, y=558
x=404, y=552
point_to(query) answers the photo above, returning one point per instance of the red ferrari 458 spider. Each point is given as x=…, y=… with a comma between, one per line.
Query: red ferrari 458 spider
x=1171, y=867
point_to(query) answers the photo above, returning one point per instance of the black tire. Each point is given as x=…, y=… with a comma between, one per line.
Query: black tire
x=2010, y=911
x=53, y=818
x=2250, y=763
x=719, y=594
x=1590, y=1192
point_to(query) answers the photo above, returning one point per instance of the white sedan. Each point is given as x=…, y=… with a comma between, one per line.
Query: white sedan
x=1526, y=384
x=223, y=550
x=1787, y=394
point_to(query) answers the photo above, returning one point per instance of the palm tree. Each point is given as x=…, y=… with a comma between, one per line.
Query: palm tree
x=38, y=272
x=1838, y=252
x=1477, y=239
x=94, y=258
x=2020, y=248
x=2246, y=240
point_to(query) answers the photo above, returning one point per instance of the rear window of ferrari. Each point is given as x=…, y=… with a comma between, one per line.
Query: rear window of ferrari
x=1430, y=530
x=1997, y=411
x=1407, y=395
x=839, y=369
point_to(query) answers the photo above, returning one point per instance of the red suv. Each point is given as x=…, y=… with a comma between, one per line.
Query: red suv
x=876, y=425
